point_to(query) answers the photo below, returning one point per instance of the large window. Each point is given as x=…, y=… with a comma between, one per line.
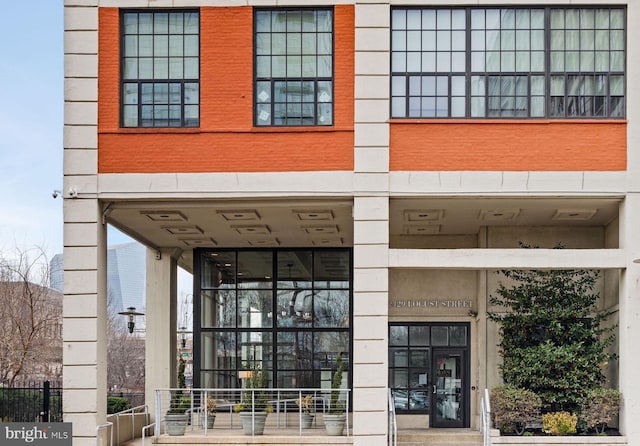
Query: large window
x=293, y=67
x=285, y=311
x=160, y=69
x=508, y=63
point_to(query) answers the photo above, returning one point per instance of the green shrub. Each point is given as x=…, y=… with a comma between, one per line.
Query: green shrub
x=512, y=408
x=559, y=423
x=117, y=404
x=600, y=407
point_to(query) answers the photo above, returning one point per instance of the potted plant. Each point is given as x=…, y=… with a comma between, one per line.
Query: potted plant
x=209, y=410
x=255, y=406
x=335, y=419
x=177, y=417
x=305, y=403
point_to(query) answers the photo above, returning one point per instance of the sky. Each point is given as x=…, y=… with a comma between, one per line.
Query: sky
x=31, y=124
x=31, y=105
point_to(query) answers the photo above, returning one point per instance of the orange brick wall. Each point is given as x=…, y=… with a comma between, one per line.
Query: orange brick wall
x=508, y=145
x=226, y=140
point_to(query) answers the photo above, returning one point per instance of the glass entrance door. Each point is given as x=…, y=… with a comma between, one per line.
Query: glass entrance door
x=429, y=371
x=448, y=399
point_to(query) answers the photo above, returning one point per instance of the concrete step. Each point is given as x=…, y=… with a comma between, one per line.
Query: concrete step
x=440, y=437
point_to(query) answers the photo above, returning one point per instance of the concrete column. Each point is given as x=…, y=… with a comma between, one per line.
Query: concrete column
x=84, y=319
x=161, y=320
x=85, y=297
x=371, y=224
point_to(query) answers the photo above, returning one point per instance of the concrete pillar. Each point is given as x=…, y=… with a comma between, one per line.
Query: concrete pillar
x=161, y=321
x=371, y=224
x=84, y=319
x=85, y=297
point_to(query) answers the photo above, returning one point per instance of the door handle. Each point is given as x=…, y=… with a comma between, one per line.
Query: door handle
x=434, y=388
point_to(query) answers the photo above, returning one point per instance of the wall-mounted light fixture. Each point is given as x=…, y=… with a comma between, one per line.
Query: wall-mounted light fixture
x=131, y=313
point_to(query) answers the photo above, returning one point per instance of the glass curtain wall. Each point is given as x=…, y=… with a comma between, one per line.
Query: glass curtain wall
x=287, y=312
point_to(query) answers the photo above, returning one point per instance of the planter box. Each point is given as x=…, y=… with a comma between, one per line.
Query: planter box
x=553, y=440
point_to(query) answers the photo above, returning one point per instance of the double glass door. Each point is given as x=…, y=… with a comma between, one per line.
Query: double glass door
x=429, y=370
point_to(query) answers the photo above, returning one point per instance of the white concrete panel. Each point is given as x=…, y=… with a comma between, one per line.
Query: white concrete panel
x=374, y=159
x=80, y=89
x=84, y=424
x=369, y=280
x=213, y=185
x=86, y=441
x=80, y=211
x=507, y=258
x=370, y=375
x=80, y=258
x=372, y=87
x=81, y=42
x=371, y=304
x=369, y=440
x=80, y=354
x=80, y=65
x=79, y=330
x=370, y=351
x=613, y=182
x=371, y=135
x=79, y=400
x=374, y=15
x=80, y=162
x=80, y=282
x=368, y=328
x=456, y=182
x=365, y=183
x=552, y=181
x=371, y=110
x=372, y=62
x=370, y=424
x=81, y=2
x=76, y=19
x=81, y=137
x=80, y=234
x=370, y=232
x=82, y=185
x=81, y=113
x=370, y=398
x=79, y=305
x=371, y=208
x=373, y=39
x=79, y=377
x=371, y=256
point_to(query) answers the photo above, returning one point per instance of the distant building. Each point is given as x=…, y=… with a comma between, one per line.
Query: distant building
x=125, y=277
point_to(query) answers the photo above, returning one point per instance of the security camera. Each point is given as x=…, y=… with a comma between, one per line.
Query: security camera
x=55, y=193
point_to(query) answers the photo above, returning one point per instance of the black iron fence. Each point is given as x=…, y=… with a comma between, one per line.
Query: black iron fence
x=29, y=402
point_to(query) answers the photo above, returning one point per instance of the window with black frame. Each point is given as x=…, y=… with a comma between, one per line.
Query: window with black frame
x=508, y=62
x=160, y=68
x=293, y=67
x=284, y=311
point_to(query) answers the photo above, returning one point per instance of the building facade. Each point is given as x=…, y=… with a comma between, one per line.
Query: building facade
x=345, y=178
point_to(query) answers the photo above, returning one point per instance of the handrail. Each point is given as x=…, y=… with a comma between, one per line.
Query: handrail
x=282, y=401
x=102, y=426
x=393, y=425
x=486, y=418
x=133, y=411
x=144, y=430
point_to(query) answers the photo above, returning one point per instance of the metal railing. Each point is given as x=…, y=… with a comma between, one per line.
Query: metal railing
x=393, y=425
x=143, y=409
x=282, y=402
x=486, y=418
x=108, y=425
